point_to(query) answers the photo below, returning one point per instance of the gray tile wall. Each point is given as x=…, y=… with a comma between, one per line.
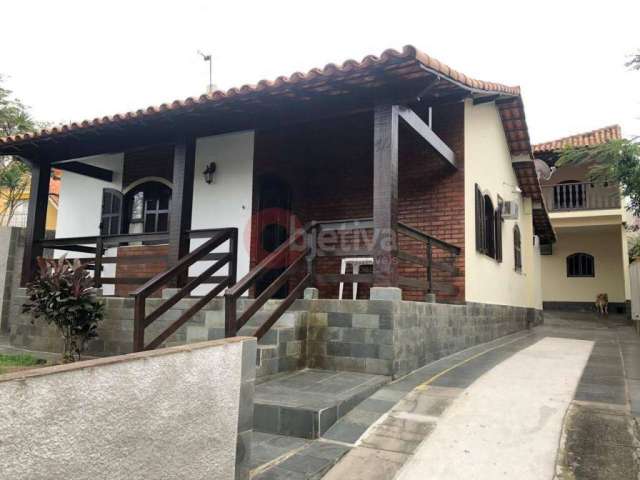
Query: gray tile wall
x=397, y=337
x=370, y=336
x=11, y=250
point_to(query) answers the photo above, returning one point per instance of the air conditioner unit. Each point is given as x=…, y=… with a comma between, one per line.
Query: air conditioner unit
x=510, y=210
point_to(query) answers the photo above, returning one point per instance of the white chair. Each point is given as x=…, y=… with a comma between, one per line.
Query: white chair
x=356, y=263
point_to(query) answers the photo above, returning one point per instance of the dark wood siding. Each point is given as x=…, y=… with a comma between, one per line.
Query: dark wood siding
x=154, y=161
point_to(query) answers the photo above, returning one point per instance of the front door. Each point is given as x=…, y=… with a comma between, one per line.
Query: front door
x=274, y=221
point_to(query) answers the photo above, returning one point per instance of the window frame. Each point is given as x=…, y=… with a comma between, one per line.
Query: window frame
x=157, y=189
x=577, y=261
x=488, y=225
x=517, y=249
x=111, y=212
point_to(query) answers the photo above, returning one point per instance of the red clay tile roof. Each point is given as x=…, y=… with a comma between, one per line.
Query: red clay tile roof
x=406, y=65
x=329, y=71
x=595, y=137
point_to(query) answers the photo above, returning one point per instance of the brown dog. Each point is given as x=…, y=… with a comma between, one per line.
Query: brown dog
x=602, y=304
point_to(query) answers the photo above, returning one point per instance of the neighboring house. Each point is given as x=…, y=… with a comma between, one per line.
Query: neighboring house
x=19, y=218
x=398, y=160
x=590, y=256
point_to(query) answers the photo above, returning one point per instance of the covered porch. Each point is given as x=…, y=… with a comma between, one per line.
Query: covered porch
x=370, y=151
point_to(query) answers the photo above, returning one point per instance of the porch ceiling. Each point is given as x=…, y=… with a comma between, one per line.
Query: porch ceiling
x=393, y=77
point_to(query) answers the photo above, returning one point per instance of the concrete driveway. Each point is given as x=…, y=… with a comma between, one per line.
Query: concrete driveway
x=561, y=401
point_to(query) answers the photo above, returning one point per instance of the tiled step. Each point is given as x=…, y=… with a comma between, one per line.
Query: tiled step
x=278, y=457
x=280, y=350
x=307, y=403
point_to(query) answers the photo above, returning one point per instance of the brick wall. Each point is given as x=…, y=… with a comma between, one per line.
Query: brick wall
x=329, y=166
x=139, y=262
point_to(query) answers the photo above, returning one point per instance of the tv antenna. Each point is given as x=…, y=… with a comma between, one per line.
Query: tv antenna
x=207, y=58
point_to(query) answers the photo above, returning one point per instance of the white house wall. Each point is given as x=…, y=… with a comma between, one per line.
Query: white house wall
x=81, y=197
x=224, y=203
x=227, y=201
x=80, y=205
x=605, y=243
x=488, y=163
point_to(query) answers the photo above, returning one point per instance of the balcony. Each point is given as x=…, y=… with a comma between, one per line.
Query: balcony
x=565, y=197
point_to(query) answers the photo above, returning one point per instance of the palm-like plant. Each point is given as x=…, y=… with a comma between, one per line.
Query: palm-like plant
x=62, y=293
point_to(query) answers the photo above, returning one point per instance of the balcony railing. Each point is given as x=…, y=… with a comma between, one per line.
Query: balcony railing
x=580, y=196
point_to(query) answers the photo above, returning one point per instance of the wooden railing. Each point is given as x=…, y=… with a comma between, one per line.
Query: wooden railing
x=96, y=246
x=297, y=256
x=353, y=225
x=446, y=265
x=95, y=259
x=305, y=247
x=280, y=256
x=203, y=252
x=581, y=196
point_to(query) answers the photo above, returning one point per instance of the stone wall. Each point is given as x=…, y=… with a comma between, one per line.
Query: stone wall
x=396, y=337
x=386, y=337
x=11, y=250
x=183, y=412
x=283, y=349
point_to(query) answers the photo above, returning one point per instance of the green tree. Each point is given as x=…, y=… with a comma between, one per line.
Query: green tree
x=14, y=174
x=615, y=161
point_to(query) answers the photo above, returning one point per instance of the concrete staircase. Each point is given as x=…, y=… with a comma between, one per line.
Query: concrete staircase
x=281, y=350
x=307, y=403
x=291, y=400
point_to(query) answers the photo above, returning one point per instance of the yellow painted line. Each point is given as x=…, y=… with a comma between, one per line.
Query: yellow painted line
x=266, y=466
x=424, y=386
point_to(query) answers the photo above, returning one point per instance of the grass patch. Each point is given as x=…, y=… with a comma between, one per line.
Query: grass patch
x=10, y=362
x=20, y=360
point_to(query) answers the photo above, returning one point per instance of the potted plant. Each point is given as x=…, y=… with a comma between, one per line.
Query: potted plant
x=62, y=293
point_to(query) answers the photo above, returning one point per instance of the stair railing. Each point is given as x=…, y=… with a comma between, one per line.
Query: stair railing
x=203, y=252
x=280, y=256
x=428, y=261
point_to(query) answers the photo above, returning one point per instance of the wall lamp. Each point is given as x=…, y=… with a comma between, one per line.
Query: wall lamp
x=209, y=172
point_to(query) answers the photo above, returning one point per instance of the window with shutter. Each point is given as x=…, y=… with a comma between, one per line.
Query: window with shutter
x=517, y=249
x=480, y=244
x=489, y=227
x=498, y=228
x=111, y=214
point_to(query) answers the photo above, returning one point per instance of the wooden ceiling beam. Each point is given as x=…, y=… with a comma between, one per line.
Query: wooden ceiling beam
x=424, y=130
x=86, y=170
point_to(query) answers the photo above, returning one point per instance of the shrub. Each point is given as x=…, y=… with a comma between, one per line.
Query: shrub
x=62, y=293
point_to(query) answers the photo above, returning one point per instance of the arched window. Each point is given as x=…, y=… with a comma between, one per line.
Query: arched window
x=580, y=265
x=517, y=249
x=148, y=204
x=489, y=227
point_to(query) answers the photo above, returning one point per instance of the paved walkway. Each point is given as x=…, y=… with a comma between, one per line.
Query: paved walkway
x=559, y=402
x=506, y=424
